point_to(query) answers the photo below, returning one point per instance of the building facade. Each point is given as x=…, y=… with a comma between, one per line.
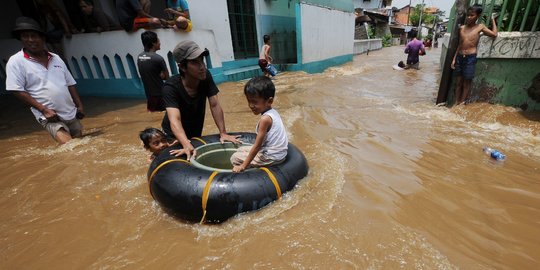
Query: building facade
x=305, y=35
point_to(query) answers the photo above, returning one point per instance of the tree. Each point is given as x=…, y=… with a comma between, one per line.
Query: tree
x=415, y=15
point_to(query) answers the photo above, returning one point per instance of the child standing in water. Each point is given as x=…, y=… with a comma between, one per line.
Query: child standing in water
x=464, y=61
x=271, y=143
x=264, y=56
x=155, y=141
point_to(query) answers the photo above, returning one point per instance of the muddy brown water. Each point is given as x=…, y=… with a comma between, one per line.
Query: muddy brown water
x=394, y=183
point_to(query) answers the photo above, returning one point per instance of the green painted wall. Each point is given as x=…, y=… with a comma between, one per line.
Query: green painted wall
x=505, y=81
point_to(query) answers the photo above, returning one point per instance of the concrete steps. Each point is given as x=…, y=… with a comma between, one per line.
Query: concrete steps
x=242, y=73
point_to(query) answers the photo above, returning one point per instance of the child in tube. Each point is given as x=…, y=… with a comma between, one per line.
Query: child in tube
x=155, y=141
x=271, y=143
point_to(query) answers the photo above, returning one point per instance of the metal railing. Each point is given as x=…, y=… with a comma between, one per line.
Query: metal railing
x=514, y=15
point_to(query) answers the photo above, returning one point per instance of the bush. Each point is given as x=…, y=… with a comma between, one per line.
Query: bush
x=371, y=31
x=387, y=40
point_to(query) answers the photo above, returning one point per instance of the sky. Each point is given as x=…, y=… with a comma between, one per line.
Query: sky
x=444, y=5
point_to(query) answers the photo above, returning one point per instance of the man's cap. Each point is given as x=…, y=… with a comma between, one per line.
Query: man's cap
x=25, y=24
x=188, y=50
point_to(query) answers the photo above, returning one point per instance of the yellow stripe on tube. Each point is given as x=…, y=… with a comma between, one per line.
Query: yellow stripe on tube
x=199, y=139
x=206, y=191
x=274, y=181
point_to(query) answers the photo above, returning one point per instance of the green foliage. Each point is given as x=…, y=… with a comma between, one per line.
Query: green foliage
x=504, y=19
x=387, y=40
x=371, y=31
x=519, y=15
x=426, y=18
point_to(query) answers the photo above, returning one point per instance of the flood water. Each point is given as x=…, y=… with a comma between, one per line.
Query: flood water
x=395, y=182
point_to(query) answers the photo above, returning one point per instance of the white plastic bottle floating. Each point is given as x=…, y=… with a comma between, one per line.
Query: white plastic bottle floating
x=494, y=153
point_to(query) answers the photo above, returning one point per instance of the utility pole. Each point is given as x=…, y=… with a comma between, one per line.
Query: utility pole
x=420, y=21
x=409, y=13
x=408, y=19
x=446, y=74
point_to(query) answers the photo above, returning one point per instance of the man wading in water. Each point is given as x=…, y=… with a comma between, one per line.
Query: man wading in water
x=42, y=81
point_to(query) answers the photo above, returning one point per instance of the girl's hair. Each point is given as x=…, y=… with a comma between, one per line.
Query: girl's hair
x=476, y=8
x=266, y=38
x=260, y=86
x=149, y=133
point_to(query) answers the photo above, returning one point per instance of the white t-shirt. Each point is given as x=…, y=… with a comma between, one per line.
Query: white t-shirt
x=276, y=143
x=47, y=85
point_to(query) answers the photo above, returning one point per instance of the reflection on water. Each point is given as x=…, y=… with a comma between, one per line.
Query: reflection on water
x=394, y=182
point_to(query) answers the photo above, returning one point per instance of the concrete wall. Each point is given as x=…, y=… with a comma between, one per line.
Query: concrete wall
x=506, y=68
x=365, y=45
x=104, y=69
x=215, y=20
x=506, y=81
x=278, y=20
x=510, y=45
x=320, y=41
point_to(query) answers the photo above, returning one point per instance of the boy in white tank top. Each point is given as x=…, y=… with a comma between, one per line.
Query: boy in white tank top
x=271, y=143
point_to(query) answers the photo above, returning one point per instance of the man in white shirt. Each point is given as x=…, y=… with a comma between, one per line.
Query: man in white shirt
x=41, y=80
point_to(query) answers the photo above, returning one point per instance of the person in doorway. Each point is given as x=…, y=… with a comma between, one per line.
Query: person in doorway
x=271, y=143
x=152, y=70
x=132, y=16
x=41, y=80
x=179, y=10
x=185, y=98
x=95, y=20
x=264, y=57
x=414, y=49
x=155, y=141
x=464, y=62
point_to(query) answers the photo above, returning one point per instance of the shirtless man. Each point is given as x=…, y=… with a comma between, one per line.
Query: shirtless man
x=464, y=61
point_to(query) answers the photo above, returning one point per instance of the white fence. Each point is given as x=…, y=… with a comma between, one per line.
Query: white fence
x=364, y=45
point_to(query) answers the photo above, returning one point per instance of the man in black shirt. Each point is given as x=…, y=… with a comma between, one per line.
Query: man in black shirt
x=153, y=71
x=185, y=97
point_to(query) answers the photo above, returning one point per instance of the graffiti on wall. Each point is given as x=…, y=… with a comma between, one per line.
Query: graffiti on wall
x=510, y=45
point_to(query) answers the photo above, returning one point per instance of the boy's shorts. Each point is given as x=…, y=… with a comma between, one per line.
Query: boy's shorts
x=73, y=126
x=263, y=64
x=465, y=66
x=259, y=160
